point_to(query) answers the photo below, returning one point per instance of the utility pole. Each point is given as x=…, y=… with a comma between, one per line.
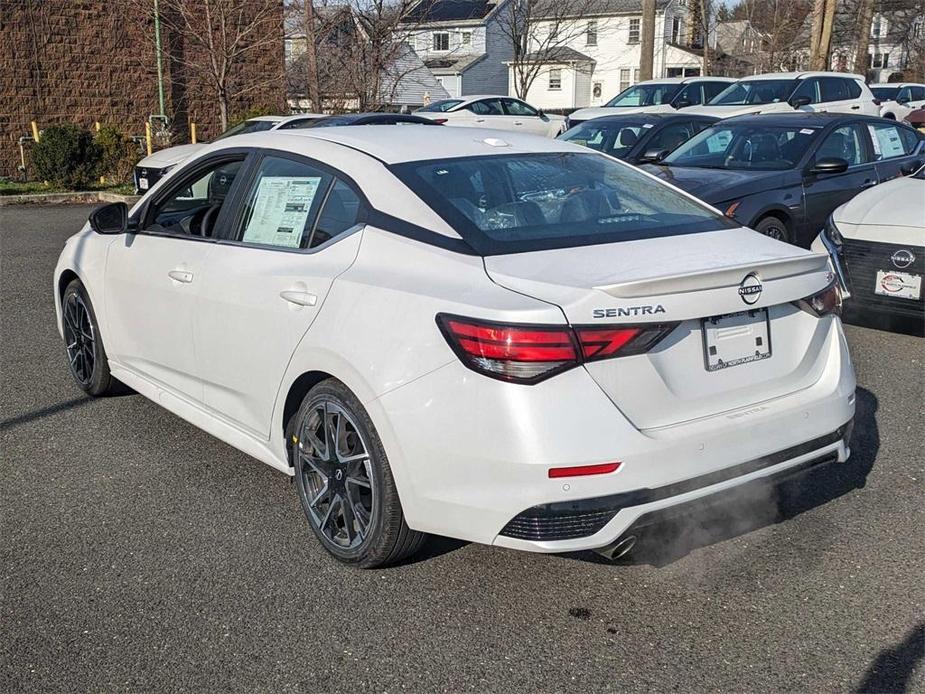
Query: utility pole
x=160, y=69
x=312, y=87
x=647, y=40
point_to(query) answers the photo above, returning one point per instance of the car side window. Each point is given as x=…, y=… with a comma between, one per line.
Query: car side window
x=340, y=212
x=834, y=89
x=282, y=203
x=853, y=88
x=294, y=124
x=670, y=137
x=844, y=143
x=808, y=88
x=486, y=107
x=519, y=108
x=711, y=89
x=917, y=93
x=692, y=94
x=191, y=208
x=888, y=141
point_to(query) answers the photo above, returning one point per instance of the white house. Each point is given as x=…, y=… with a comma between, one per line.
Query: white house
x=463, y=43
x=600, y=54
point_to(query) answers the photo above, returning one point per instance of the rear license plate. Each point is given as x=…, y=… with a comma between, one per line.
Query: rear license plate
x=739, y=338
x=900, y=284
x=143, y=183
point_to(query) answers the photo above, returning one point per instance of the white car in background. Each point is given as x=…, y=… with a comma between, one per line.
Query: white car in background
x=154, y=167
x=656, y=96
x=497, y=112
x=877, y=241
x=514, y=341
x=793, y=91
x=899, y=100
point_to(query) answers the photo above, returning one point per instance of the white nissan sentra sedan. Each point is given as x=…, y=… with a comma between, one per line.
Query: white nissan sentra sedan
x=492, y=336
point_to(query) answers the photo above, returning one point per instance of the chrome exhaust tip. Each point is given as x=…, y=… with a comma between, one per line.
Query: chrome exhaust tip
x=618, y=549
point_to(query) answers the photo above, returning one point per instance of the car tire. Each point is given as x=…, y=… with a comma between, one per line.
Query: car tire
x=889, y=116
x=347, y=490
x=774, y=227
x=83, y=343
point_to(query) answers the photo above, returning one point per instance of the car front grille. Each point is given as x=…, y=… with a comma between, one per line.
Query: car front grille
x=153, y=176
x=568, y=520
x=862, y=260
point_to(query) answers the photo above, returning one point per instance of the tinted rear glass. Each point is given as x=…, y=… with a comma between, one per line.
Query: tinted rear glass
x=885, y=93
x=441, y=106
x=645, y=95
x=248, y=126
x=754, y=92
x=526, y=202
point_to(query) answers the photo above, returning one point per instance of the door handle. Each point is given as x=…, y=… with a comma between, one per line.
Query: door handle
x=479, y=120
x=855, y=108
x=299, y=298
x=518, y=122
x=868, y=184
x=181, y=276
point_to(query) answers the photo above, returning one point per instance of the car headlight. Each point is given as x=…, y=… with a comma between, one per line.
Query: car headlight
x=832, y=233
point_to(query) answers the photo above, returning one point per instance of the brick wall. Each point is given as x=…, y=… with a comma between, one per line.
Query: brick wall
x=83, y=61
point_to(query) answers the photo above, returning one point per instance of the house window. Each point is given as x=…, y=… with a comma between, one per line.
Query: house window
x=881, y=60
x=555, y=79
x=676, y=30
x=634, y=31
x=591, y=33
x=597, y=90
x=466, y=38
x=441, y=41
x=624, y=78
x=878, y=27
x=635, y=75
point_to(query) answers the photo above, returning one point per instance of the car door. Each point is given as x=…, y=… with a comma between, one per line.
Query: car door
x=823, y=192
x=896, y=148
x=267, y=281
x=525, y=118
x=153, y=276
x=484, y=113
x=839, y=95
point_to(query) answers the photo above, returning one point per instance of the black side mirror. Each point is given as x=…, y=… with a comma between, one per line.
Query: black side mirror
x=830, y=165
x=654, y=156
x=910, y=167
x=682, y=103
x=800, y=101
x=110, y=219
x=902, y=100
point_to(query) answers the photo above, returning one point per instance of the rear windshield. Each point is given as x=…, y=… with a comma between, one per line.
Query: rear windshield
x=615, y=139
x=645, y=95
x=248, y=126
x=754, y=92
x=440, y=106
x=885, y=93
x=526, y=202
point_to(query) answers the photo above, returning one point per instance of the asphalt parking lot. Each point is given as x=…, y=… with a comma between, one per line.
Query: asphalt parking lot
x=142, y=554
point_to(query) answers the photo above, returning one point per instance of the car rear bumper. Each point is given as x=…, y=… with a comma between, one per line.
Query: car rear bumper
x=471, y=455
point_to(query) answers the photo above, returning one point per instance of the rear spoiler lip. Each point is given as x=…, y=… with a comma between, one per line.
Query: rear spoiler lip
x=718, y=278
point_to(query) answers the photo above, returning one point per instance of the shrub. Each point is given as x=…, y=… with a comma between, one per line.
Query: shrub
x=118, y=154
x=67, y=156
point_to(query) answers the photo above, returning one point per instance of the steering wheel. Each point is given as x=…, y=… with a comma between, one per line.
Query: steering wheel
x=200, y=223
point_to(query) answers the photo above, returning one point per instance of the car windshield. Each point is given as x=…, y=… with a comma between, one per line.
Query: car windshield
x=645, y=95
x=754, y=92
x=752, y=146
x=440, y=106
x=248, y=126
x=514, y=203
x=615, y=139
x=885, y=93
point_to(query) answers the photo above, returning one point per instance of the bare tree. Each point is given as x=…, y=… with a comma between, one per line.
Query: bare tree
x=538, y=31
x=820, y=47
x=865, y=18
x=780, y=22
x=219, y=36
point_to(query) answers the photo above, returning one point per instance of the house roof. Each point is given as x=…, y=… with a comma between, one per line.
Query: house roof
x=559, y=54
x=427, y=11
x=594, y=8
x=453, y=64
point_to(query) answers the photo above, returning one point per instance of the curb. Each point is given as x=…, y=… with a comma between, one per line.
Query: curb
x=68, y=198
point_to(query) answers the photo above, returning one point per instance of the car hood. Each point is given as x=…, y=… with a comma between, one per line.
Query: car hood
x=888, y=213
x=589, y=113
x=170, y=156
x=730, y=111
x=716, y=185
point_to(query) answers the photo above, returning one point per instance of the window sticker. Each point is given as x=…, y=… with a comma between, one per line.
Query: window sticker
x=807, y=131
x=281, y=209
x=887, y=142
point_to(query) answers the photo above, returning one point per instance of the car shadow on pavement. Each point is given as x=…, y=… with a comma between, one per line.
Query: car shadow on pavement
x=893, y=667
x=757, y=504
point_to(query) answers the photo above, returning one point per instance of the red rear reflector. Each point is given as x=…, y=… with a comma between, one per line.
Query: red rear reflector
x=440, y=121
x=582, y=470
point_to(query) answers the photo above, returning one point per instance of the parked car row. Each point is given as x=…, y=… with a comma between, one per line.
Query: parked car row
x=506, y=278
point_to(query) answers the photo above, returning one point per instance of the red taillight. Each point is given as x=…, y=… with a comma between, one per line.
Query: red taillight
x=582, y=470
x=531, y=353
x=439, y=121
x=827, y=301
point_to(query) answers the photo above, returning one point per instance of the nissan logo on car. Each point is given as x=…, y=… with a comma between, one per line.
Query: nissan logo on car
x=903, y=258
x=750, y=288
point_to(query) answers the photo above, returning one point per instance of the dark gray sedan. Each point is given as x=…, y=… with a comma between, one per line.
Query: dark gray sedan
x=784, y=174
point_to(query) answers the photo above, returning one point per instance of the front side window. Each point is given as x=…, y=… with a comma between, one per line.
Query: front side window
x=519, y=108
x=555, y=79
x=747, y=92
x=292, y=204
x=809, y=89
x=670, y=137
x=441, y=41
x=644, y=94
x=691, y=94
x=486, y=107
x=617, y=140
x=768, y=148
x=192, y=207
x=712, y=89
x=891, y=140
x=521, y=202
x=843, y=143
x=591, y=33
x=633, y=31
